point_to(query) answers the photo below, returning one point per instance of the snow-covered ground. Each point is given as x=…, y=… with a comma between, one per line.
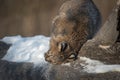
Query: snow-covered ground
x=32, y=49
x=27, y=49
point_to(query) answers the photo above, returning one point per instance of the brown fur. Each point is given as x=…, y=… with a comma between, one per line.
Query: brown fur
x=71, y=29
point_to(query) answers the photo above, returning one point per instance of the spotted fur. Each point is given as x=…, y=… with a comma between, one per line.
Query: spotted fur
x=77, y=21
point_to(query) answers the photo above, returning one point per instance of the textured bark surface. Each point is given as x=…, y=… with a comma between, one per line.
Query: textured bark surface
x=93, y=50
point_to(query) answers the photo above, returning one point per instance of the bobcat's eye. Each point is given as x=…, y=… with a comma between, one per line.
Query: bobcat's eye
x=62, y=46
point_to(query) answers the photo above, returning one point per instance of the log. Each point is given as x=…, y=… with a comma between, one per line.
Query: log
x=73, y=71
x=108, y=34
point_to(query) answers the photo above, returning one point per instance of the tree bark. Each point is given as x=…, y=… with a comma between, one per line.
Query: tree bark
x=108, y=33
x=105, y=46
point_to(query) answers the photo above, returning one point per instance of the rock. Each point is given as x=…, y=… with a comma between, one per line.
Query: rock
x=20, y=71
x=109, y=54
x=3, y=48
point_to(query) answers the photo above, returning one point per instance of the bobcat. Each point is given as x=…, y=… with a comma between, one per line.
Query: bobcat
x=77, y=21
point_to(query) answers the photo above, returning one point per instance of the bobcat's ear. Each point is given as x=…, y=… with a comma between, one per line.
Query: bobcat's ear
x=54, y=21
x=62, y=46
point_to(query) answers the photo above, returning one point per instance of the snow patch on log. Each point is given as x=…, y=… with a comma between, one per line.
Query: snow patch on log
x=95, y=66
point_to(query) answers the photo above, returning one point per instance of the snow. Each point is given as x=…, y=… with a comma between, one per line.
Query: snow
x=27, y=49
x=95, y=66
x=66, y=64
x=104, y=46
x=32, y=49
x=12, y=39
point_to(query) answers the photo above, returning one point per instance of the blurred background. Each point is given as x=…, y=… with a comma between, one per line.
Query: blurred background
x=34, y=17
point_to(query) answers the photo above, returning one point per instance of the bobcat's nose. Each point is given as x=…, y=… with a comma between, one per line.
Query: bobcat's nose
x=48, y=57
x=48, y=54
x=53, y=59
